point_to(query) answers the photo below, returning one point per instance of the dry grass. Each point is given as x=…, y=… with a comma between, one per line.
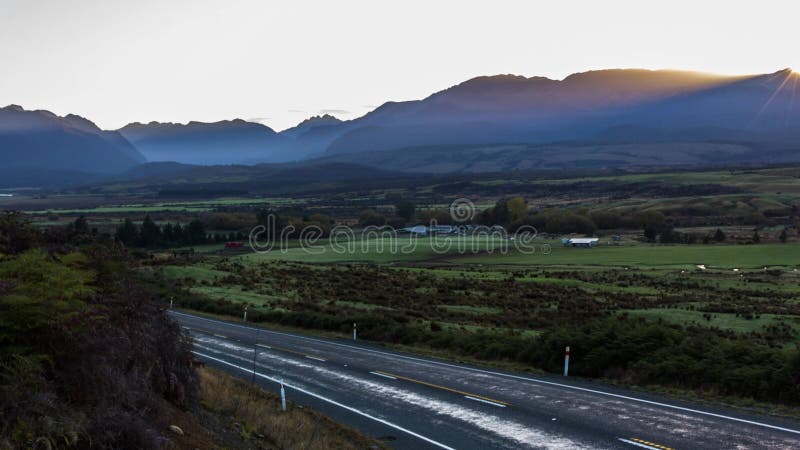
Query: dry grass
x=260, y=418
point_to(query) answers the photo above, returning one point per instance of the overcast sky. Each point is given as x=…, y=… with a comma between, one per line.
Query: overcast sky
x=279, y=62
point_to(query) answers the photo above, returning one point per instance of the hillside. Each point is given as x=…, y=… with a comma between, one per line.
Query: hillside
x=443, y=159
x=225, y=142
x=500, y=109
x=40, y=140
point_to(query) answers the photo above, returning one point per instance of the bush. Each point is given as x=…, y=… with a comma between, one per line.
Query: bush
x=88, y=358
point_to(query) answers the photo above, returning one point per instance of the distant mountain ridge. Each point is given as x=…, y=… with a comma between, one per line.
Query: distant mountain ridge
x=536, y=110
x=499, y=109
x=42, y=140
x=605, y=118
x=224, y=142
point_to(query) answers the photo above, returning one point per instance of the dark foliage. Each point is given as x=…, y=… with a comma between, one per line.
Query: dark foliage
x=89, y=359
x=150, y=235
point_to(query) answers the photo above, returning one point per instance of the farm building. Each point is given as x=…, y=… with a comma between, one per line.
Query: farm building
x=422, y=230
x=419, y=230
x=580, y=242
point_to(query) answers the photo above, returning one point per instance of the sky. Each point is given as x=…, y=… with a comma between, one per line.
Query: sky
x=279, y=62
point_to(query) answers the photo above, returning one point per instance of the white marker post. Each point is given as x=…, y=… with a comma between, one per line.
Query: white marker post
x=283, y=397
x=566, y=361
x=245, y=314
x=170, y=303
x=354, y=331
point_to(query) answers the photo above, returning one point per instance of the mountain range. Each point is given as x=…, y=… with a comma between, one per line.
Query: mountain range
x=607, y=118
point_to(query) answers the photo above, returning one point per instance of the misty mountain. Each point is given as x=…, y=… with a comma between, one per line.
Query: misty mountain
x=607, y=118
x=43, y=142
x=309, y=124
x=230, y=142
x=225, y=142
x=513, y=109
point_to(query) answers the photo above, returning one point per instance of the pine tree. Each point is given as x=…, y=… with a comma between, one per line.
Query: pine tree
x=151, y=233
x=127, y=233
x=80, y=226
x=650, y=232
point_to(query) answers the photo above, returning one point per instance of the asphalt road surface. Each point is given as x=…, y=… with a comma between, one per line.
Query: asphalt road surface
x=412, y=402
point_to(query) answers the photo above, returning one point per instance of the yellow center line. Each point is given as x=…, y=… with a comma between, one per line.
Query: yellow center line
x=445, y=388
x=652, y=444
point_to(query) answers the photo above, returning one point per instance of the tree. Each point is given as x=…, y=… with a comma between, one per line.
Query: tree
x=442, y=217
x=667, y=235
x=370, y=217
x=606, y=220
x=195, y=232
x=80, y=226
x=783, y=235
x=16, y=233
x=405, y=209
x=168, y=233
x=517, y=207
x=46, y=291
x=719, y=235
x=150, y=235
x=652, y=218
x=127, y=233
x=177, y=232
x=569, y=222
x=272, y=222
x=501, y=213
x=650, y=232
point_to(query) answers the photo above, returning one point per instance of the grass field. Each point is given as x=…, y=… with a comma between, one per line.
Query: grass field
x=378, y=250
x=464, y=250
x=653, y=256
x=724, y=321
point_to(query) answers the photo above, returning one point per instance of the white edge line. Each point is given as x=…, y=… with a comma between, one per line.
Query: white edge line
x=315, y=357
x=384, y=376
x=484, y=401
x=264, y=346
x=220, y=336
x=491, y=372
x=638, y=444
x=334, y=402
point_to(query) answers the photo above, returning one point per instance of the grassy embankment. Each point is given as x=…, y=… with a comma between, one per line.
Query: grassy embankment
x=255, y=417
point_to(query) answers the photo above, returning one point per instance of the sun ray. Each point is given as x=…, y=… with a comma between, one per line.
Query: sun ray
x=791, y=99
x=789, y=75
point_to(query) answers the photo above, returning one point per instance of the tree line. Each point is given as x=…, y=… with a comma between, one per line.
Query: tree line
x=150, y=235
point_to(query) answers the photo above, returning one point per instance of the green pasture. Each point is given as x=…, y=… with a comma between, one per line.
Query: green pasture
x=651, y=256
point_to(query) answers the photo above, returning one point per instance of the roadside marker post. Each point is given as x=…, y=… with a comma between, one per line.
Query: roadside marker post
x=283, y=397
x=245, y=314
x=255, y=354
x=354, y=331
x=566, y=361
x=170, y=303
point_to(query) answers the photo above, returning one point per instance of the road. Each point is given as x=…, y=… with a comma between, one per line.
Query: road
x=413, y=402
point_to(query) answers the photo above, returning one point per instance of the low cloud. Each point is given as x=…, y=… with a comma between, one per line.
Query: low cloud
x=334, y=111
